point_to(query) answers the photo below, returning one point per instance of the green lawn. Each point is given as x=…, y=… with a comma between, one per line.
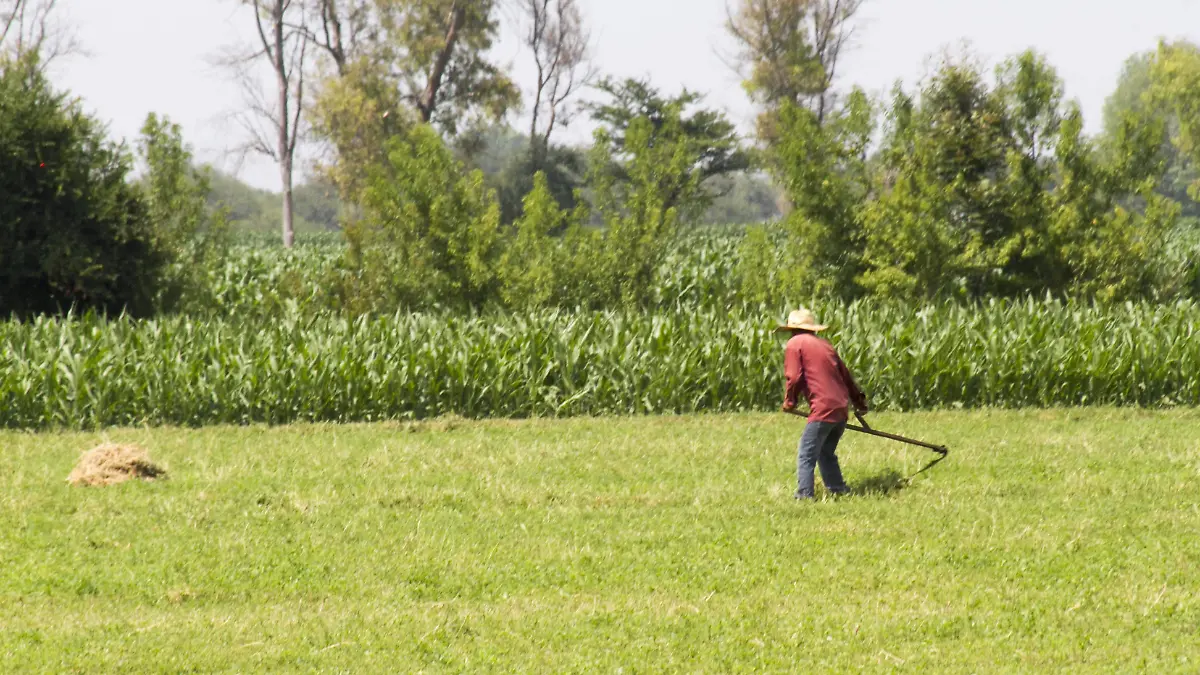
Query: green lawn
x=1046, y=542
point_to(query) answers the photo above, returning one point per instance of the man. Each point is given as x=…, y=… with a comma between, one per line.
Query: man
x=814, y=369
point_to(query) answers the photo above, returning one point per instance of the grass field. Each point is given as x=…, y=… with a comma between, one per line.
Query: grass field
x=1046, y=542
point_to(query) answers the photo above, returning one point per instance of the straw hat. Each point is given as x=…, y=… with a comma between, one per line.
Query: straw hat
x=802, y=319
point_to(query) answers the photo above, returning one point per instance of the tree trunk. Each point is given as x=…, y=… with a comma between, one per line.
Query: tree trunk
x=428, y=101
x=535, y=148
x=289, y=232
x=285, y=136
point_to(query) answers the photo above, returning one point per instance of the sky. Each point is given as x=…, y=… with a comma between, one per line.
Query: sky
x=159, y=55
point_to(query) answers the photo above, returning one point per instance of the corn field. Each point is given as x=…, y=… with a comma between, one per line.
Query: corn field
x=86, y=372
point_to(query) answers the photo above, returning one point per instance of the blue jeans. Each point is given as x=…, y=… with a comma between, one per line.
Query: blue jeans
x=818, y=447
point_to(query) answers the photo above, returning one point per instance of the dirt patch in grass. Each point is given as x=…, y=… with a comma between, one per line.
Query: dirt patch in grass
x=110, y=463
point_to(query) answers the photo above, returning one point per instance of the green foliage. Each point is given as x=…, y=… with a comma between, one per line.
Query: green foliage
x=536, y=269
x=429, y=234
x=759, y=272
x=941, y=229
x=248, y=209
x=641, y=212
x=92, y=372
x=743, y=197
x=473, y=88
x=776, y=43
x=1175, y=74
x=822, y=169
x=395, y=67
x=975, y=192
x=789, y=50
x=74, y=231
x=704, y=137
x=193, y=235
x=1112, y=253
x=1135, y=96
x=356, y=113
x=563, y=169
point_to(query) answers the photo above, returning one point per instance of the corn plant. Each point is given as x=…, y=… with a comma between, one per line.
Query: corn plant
x=90, y=371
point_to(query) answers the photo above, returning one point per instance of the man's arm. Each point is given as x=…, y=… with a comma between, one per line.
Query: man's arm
x=793, y=368
x=857, y=397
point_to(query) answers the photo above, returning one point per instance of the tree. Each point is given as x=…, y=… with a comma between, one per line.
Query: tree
x=28, y=27
x=559, y=43
x=821, y=166
x=744, y=198
x=563, y=168
x=341, y=26
x=186, y=227
x=1174, y=76
x=397, y=63
x=434, y=52
x=995, y=191
x=75, y=232
x=274, y=124
x=556, y=37
x=538, y=270
x=790, y=51
x=1135, y=95
x=657, y=185
x=430, y=232
x=705, y=138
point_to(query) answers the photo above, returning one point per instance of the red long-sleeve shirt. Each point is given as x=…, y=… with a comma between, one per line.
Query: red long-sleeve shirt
x=814, y=369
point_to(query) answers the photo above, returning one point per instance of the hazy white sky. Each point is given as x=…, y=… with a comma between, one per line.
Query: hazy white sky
x=156, y=55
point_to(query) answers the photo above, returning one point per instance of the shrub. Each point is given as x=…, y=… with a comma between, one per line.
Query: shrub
x=430, y=233
x=74, y=232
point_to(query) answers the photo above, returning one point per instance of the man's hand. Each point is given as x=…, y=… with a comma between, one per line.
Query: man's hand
x=789, y=407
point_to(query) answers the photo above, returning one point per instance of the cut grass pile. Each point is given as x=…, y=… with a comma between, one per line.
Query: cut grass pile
x=1046, y=542
x=110, y=464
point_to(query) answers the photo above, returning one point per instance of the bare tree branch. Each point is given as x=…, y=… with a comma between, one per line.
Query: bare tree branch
x=273, y=125
x=341, y=25
x=29, y=27
x=10, y=18
x=560, y=45
x=791, y=49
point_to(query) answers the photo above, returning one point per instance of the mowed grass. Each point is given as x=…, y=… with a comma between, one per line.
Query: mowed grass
x=1047, y=541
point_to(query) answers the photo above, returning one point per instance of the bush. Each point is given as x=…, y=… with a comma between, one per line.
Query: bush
x=193, y=235
x=430, y=233
x=538, y=270
x=74, y=232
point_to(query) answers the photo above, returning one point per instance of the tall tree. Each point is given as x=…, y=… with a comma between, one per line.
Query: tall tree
x=30, y=27
x=705, y=139
x=790, y=51
x=273, y=123
x=435, y=52
x=1175, y=91
x=559, y=42
x=339, y=27
x=399, y=62
x=996, y=191
x=74, y=230
x=1135, y=95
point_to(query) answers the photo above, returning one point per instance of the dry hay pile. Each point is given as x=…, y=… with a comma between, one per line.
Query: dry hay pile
x=110, y=463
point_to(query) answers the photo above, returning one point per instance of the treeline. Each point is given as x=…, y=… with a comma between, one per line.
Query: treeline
x=977, y=190
x=741, y=198
x=975, y=185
